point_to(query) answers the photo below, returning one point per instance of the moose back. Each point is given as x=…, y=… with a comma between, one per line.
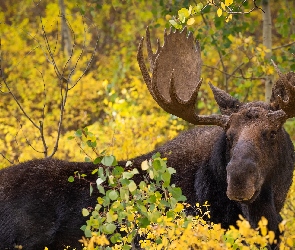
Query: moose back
x=242, y=164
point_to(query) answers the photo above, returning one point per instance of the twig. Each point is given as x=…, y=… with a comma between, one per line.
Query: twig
x=235, y=76
x=11, y=162
x=283, y=46
x=230, y=11
x=219, y=54
x=89, y=62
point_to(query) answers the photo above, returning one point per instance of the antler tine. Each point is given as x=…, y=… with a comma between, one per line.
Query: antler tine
x=151, y=54
x=176, y=80
x=283, y=93
x=142, y=66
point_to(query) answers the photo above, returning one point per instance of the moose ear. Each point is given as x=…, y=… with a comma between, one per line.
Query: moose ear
x=226, y=102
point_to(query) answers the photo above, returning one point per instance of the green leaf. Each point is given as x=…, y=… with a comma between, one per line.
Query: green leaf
x=91, y=144
x=110, y=228
x=85, y=212
x=124, y=182
x=87, y=159
x=171, y=170
x=115, y=238
x=108, y=160
x=176, y=192
x=111, y=216
x=71, y=138
x=152, y=199
x=132, y=186
x=170, y=214
x=156, y=155
x=101, y=189
x=97, y=160
x=113, y=195
x=126, y=247
x=71, y=179
x=175, y=24
x=142, y=185
x=98, y=207
x=111, y=180
x=155, y=216
x=78, y=133
x=143, y=222
x=157, y=165
x=124, y=194
x=173, y=202
x=127, y=175
x=118, y=171
x=101, y=172
x=88, y=233
x=166, y=178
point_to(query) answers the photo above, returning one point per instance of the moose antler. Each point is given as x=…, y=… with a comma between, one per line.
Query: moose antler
x=283, y=93
x=176, y=69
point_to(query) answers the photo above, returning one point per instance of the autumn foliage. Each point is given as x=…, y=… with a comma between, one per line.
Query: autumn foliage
x=113, y=103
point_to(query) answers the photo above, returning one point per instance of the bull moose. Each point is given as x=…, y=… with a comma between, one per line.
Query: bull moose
x=242, y=164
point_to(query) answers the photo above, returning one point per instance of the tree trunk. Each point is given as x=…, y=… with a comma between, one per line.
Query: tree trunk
x=267, y=42
x=65, y=32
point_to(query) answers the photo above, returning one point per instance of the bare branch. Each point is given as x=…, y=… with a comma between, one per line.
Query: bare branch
x=11, y=162
x=235, y=76
x=48, y=48
x=89, y=62
x=28, y=142
x=283, y=46
x=232, y=12
x=11, y=93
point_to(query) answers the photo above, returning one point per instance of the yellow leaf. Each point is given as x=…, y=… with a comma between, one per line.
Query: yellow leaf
x=271, y=235
x=229, y=17
x=190, y=9
x=168, y=17
x=231, y=38
x=178, y=208
x=151, y=173
x=219, y=12
x=132, y=186
x=145, y=165
x=130, y=216
x=228, y=2
x=222, y=6
x=290, y=242
x=264, y=221
x=190, y=21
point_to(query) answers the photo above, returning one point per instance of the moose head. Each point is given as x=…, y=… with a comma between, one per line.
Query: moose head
x=255, y=141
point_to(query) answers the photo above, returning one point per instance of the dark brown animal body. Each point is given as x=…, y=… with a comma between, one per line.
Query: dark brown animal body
x=243, y=164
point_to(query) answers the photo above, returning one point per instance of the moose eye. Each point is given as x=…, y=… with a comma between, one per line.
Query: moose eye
x=269, y=135
x=272, y=134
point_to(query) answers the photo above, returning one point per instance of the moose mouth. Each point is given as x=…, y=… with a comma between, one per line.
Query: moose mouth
x=244, y=198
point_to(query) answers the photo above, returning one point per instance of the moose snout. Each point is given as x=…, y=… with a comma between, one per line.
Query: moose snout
x=242, y=180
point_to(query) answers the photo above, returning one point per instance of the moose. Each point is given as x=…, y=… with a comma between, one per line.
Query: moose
x=241, y=165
